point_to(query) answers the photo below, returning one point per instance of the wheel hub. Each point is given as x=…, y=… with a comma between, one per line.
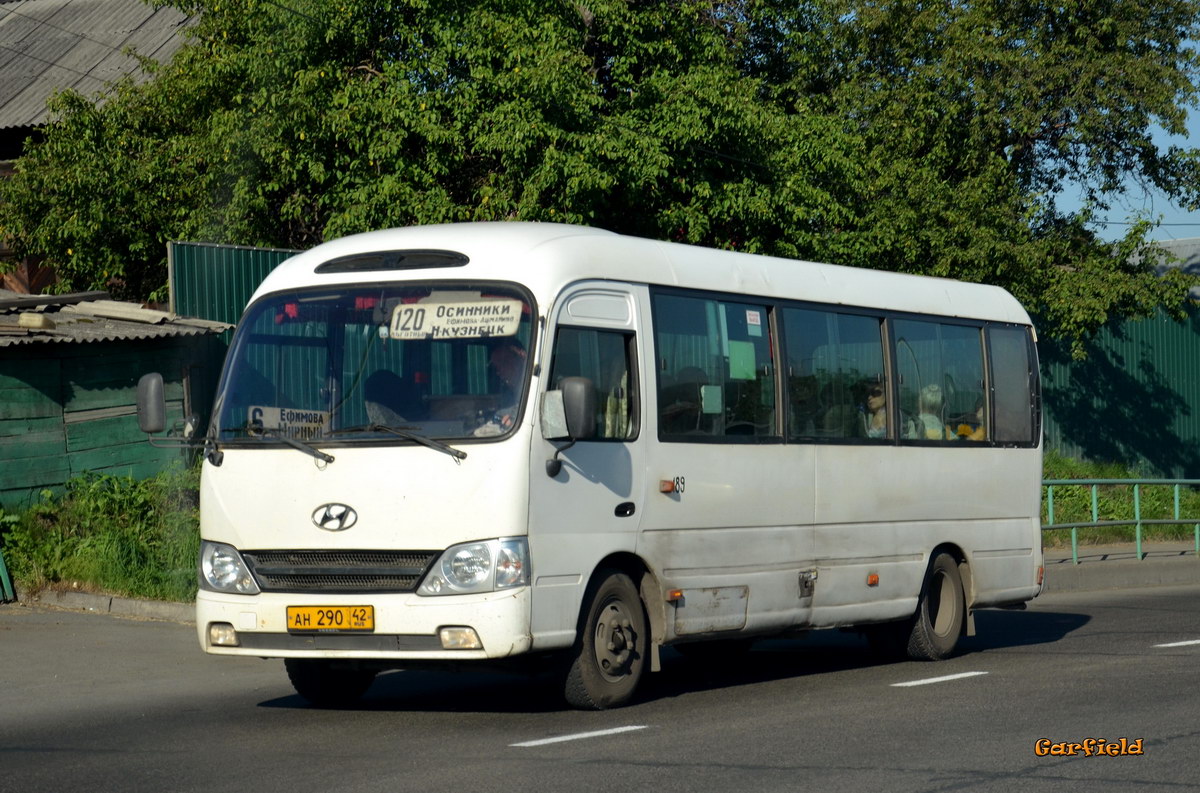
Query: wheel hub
x=615, y=641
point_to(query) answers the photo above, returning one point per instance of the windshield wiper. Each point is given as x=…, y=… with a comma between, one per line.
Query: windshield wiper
x=259, y=431
x=407, y=434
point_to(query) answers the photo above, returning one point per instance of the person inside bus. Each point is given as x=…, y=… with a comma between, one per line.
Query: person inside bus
x=929, y=418
x=507, y=364
x=875, y=423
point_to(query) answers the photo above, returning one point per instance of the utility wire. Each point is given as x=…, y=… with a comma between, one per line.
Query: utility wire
x=1130, y=223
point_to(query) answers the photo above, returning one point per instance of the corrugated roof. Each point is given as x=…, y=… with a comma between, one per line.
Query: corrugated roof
x=93, y=321
x=50, y=45
x=1185, y=255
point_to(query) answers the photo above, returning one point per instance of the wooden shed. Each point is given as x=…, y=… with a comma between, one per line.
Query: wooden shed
x=69, y=366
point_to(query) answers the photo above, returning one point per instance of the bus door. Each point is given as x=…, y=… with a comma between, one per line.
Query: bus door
x=729, y=516
x=592, y=506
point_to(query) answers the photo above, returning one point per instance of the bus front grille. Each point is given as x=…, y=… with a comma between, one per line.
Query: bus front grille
x=338, y=571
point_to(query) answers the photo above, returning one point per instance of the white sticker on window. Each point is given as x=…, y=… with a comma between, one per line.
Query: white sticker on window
x=436, y=318
x=300, y=424
x=753, y=322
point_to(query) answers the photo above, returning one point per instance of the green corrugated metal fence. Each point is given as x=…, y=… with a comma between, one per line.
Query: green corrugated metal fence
x=215, y=281
x=1135, y=400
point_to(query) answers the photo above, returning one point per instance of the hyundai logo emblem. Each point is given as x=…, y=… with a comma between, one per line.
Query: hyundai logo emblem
x=334, y=517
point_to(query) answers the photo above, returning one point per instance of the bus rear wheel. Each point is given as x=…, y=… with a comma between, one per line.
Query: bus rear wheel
x=610, y=653
x=326, y=684
x=940, y=614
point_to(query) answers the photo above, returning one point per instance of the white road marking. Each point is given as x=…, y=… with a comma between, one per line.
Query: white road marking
x=942, y=679
x=581, y=735
x=1179, y=644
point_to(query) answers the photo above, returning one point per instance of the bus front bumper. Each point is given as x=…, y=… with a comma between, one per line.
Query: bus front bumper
x=404, y=626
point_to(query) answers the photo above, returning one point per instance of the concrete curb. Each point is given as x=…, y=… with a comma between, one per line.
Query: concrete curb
x=1117, y=567
x=118, y=606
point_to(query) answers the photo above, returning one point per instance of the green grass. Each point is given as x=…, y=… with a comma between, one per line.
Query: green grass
x=112, y=534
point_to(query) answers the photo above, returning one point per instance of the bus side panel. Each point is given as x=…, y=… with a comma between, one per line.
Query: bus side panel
x=911, y=500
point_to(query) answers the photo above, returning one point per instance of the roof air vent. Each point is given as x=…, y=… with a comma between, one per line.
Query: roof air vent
x=392, y=260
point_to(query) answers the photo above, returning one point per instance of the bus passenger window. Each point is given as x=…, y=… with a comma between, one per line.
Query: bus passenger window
x=604, y=358
x=1013, y=372
x=715, y=376
x=835, y=383
x=941, y=381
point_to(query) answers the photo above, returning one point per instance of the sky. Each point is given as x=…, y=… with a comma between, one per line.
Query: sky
x=1176, y=223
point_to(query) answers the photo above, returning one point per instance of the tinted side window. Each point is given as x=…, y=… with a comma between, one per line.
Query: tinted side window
x=835, y=376
x=604, y=358
x=715, y=377
x=1012, y=377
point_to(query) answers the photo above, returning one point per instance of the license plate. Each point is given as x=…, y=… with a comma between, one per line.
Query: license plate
x=330, y=619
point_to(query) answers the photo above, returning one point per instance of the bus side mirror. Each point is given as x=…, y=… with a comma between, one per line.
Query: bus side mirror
x=568, y=414
x=151, y=404
x=579, y=406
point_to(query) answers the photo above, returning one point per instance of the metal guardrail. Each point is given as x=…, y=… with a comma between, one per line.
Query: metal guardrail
x=1137, y=521
x=6, y=586
x=7, y=592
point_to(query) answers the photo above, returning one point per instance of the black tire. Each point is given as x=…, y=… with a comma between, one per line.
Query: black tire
x=941, y=612
x=610, y=654
x=327, y=684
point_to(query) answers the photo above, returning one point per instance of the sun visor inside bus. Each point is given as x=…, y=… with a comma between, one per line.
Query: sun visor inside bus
x=392, y=260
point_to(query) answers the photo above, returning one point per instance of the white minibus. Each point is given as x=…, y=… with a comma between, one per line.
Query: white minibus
x=548, y=443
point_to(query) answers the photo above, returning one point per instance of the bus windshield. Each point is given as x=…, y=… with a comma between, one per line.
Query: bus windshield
x=446, y=361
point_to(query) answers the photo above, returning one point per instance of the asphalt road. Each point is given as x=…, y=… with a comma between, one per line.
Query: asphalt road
x=94, y=702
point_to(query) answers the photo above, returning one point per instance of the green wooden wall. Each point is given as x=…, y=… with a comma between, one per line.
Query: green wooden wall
x=66, y=409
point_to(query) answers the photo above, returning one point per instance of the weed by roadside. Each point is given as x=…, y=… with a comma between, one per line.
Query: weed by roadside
x=137, y=538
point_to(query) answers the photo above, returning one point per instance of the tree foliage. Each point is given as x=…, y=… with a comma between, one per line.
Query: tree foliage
x=918, y=136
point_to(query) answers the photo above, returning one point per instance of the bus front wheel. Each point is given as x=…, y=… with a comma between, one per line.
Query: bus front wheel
x=610, y=654
x=325, y=684
x=940, y=614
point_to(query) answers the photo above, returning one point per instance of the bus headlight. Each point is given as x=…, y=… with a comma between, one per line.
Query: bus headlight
x=469, y=566
x=222, y=569
x=479, y=567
